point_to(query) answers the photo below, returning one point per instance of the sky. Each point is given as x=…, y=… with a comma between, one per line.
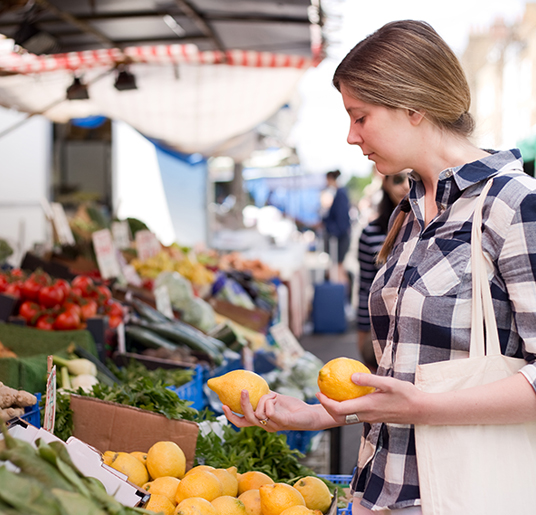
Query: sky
x=319, y=134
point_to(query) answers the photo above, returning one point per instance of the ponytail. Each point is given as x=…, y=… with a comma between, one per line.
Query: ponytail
x=390, y=239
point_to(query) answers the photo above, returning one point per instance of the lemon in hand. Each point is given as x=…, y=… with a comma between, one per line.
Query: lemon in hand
x=334, y=379
x=229, y=386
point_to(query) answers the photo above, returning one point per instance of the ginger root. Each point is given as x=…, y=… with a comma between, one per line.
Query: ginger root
x=9, y=413
x=10, y=397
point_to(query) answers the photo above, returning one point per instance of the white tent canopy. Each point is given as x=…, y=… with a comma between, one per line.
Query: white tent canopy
x=193, y=107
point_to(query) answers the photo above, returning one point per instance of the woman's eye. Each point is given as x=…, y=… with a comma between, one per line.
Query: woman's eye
x=360, y=120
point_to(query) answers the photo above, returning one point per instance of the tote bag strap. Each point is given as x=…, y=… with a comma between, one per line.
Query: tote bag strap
x=482, y=306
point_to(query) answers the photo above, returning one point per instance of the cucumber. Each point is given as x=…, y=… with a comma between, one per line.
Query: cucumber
x=175, y=332
x=147, y=312
x=149, y=338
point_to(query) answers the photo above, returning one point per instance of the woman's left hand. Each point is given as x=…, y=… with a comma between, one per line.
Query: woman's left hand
x=394, y=401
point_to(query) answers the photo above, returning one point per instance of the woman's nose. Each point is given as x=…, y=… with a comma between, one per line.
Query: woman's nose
x=354, y=138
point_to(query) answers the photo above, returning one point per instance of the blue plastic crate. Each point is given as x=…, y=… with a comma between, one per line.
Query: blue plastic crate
x=300, y=440
x=193, y=390
x=228, y=365
x=32, y=414
x=342, y=480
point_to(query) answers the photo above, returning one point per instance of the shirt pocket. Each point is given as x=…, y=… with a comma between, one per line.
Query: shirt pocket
x=443, y=268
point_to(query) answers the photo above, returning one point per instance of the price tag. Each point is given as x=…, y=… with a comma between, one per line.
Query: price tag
x=147, y=245
x=290, y=349
x=61, y=224
x=106, y=254
x=121, y=234
x=50, y=404
x=163, y=304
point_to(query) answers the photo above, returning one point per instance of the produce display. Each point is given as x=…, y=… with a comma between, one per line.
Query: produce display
x=56, y=304
x=245, y=471
x=173, y=259
x=212, y=489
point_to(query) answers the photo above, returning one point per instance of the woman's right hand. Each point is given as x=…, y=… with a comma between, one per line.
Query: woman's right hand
x=277, y=412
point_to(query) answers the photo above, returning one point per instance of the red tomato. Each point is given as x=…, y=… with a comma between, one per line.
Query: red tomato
x=64, y=285
x=50, y=296
x=45, y=322
x=72, y=306
x=102, y=294
x=30, y=289
x=16, y=272
x=88, y=309
x=113, y=308
x=114, y=321
x=30, y=311
x=67, y=321
x=13, y=289
x=84, y=283
x=3, y=282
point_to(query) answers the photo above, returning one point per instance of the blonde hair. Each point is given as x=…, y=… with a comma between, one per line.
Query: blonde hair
x=406, y=64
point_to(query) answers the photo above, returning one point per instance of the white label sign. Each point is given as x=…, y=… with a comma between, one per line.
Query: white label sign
x=50, y=402
x=290, y=349
x=61, y=224
x=121, y=233
x=147, y=245
x=163, y=304
x=106, y=254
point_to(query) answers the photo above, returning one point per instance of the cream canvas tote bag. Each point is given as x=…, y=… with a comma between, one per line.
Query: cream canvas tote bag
x=476, y=469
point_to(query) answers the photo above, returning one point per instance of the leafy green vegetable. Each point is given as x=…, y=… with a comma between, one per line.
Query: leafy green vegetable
x=134, y=370
x=251, y=448
x=143, y=393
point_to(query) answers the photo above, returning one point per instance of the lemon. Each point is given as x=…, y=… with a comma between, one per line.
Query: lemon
x=278, y=497
x=164, y=485
x=252, y=501
x=233, y=471
x=195, y=505
x=108, y=457
x=229, y=386
x=200, y=467
x=201, y=483
x=131, y=467
x=229, y=505
x=315, y=492
x=160, y=504
x=297, y=510
x=142, y=456
x=334, y=379
x=252, y=480
x=228, y=481
x=166, y=459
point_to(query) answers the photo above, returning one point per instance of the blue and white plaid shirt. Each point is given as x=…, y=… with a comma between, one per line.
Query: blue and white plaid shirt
x=420, y=302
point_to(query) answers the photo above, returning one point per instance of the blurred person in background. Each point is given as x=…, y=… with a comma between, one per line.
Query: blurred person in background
x=336, y=222
x=394, y=188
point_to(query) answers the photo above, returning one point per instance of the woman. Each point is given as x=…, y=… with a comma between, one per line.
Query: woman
x=337, y=222
x=394, y=189
x=408, y=102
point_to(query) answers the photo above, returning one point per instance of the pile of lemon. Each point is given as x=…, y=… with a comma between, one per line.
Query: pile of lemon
x=206, y=490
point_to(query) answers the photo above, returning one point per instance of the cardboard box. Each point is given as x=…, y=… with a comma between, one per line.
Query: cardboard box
x=115, y=427
x=256, y=319
x=87, y=460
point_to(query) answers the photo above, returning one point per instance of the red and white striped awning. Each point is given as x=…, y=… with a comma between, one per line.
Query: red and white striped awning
x=156, y=54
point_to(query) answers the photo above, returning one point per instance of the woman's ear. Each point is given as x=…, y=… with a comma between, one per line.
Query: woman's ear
x=415, y=117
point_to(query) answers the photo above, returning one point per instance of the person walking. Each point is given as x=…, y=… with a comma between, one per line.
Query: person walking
x=337, y=223
x=408, y=101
